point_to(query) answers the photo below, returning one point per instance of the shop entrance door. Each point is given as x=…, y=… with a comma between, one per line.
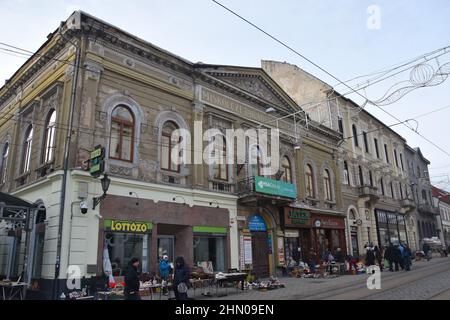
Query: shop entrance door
x=166, y=246
x=355, y=243
x=260, y=250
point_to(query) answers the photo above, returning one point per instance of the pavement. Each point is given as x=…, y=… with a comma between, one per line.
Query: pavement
x=426, y=281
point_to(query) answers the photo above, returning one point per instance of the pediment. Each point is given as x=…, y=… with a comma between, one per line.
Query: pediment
x=258, y=85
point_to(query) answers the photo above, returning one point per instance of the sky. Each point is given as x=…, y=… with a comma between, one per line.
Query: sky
x=344, y=37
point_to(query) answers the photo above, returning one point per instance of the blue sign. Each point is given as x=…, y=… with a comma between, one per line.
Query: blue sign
x=256, y=223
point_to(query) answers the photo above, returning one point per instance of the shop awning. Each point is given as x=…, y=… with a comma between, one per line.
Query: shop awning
x=318, y=210
x=10, y=200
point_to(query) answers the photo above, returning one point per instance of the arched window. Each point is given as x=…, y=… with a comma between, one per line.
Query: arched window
x=122, y=134
x=287, y=170
x=346, y=174
x=49, y=142
x=361, y=176
x=26, y=153
x=220, y=165
x=169, y=139
x=255, y=159
x=424, y=196
x=327, y=185
x=355, y=135
x=309, y=181
x=352, y=215
x=4, y=164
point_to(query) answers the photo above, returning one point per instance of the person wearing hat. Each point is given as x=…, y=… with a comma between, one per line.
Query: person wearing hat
x=164, y=270
x=132, y=283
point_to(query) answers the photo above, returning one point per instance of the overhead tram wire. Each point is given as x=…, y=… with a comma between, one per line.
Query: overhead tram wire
x=326, y=72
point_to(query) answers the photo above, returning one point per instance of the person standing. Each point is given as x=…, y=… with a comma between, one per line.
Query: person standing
x=370, y=256
x=132, y=283
x=426, y=250
x=180, y=279
x=389, y=256
x=397, y=257
x=164, y=272
x=407, y=257
x=379, y=257
x=312, y=260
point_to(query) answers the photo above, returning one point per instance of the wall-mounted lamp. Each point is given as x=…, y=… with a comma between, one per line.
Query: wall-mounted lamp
x=137, y=197
x=175, y=199
x=105, y=181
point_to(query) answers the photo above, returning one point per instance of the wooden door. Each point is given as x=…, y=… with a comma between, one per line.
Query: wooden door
x=260, y=250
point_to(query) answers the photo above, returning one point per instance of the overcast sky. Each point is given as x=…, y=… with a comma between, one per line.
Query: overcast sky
x=334, y=34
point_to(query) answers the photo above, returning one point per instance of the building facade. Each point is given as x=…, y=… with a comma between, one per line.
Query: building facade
x=426, y=214
x=441, y=199
x=93, y=85
x=375, y=183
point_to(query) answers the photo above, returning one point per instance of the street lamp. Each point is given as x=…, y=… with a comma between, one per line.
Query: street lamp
x=105, y=181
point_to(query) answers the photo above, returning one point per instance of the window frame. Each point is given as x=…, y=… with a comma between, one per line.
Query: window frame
x=327, y=185
x=169, y=136
x=355, y=135
x=49, y=145
x=4, y=164
x=122, y=123
x=25, y=164
x=287, y=170
x=309, y=176
x=218, y=166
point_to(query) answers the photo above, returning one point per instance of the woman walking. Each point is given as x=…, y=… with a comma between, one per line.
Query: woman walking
x=180, y=279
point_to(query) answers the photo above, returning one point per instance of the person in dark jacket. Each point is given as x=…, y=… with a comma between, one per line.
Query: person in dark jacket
x=370, y=256
x=132, y=283
x=181, y=276
x=339, y=256
x=389, y=256
x=407, y=257
x=397, y=257
x=379, y=257
x=426, y=250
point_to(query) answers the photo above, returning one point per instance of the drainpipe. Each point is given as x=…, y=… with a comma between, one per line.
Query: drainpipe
x=56, y=286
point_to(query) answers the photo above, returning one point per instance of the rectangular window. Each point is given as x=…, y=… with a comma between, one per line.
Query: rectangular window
x=396, y=158
x=210, y=251
x=165, y=150
x=401, y=161
x=341, y=125
x=366, y=144
x=376, y=148
x=386, y=153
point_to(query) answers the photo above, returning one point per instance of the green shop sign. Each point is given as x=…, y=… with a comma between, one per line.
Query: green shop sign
x=220, y=230
x=128, y=226
x=295, y=217
x=275, y=188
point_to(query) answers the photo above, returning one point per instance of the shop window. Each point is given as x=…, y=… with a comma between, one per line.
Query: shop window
x=49, y=142
x=38, y=255
x=26, y=153
x=210, y=249
x=4, y=163
x=122, y=134
x=309, y=181
x=220, y=165
x=123, y=247
x=327, y=185
x=287, y=170
x=170, y=138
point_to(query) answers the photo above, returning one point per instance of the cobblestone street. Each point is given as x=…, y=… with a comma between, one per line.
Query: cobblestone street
x=427, y=280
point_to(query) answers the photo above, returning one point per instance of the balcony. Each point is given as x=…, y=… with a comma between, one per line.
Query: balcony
x=408, y=204
x=368, y=191
x=426, y=208
x=259, y=189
